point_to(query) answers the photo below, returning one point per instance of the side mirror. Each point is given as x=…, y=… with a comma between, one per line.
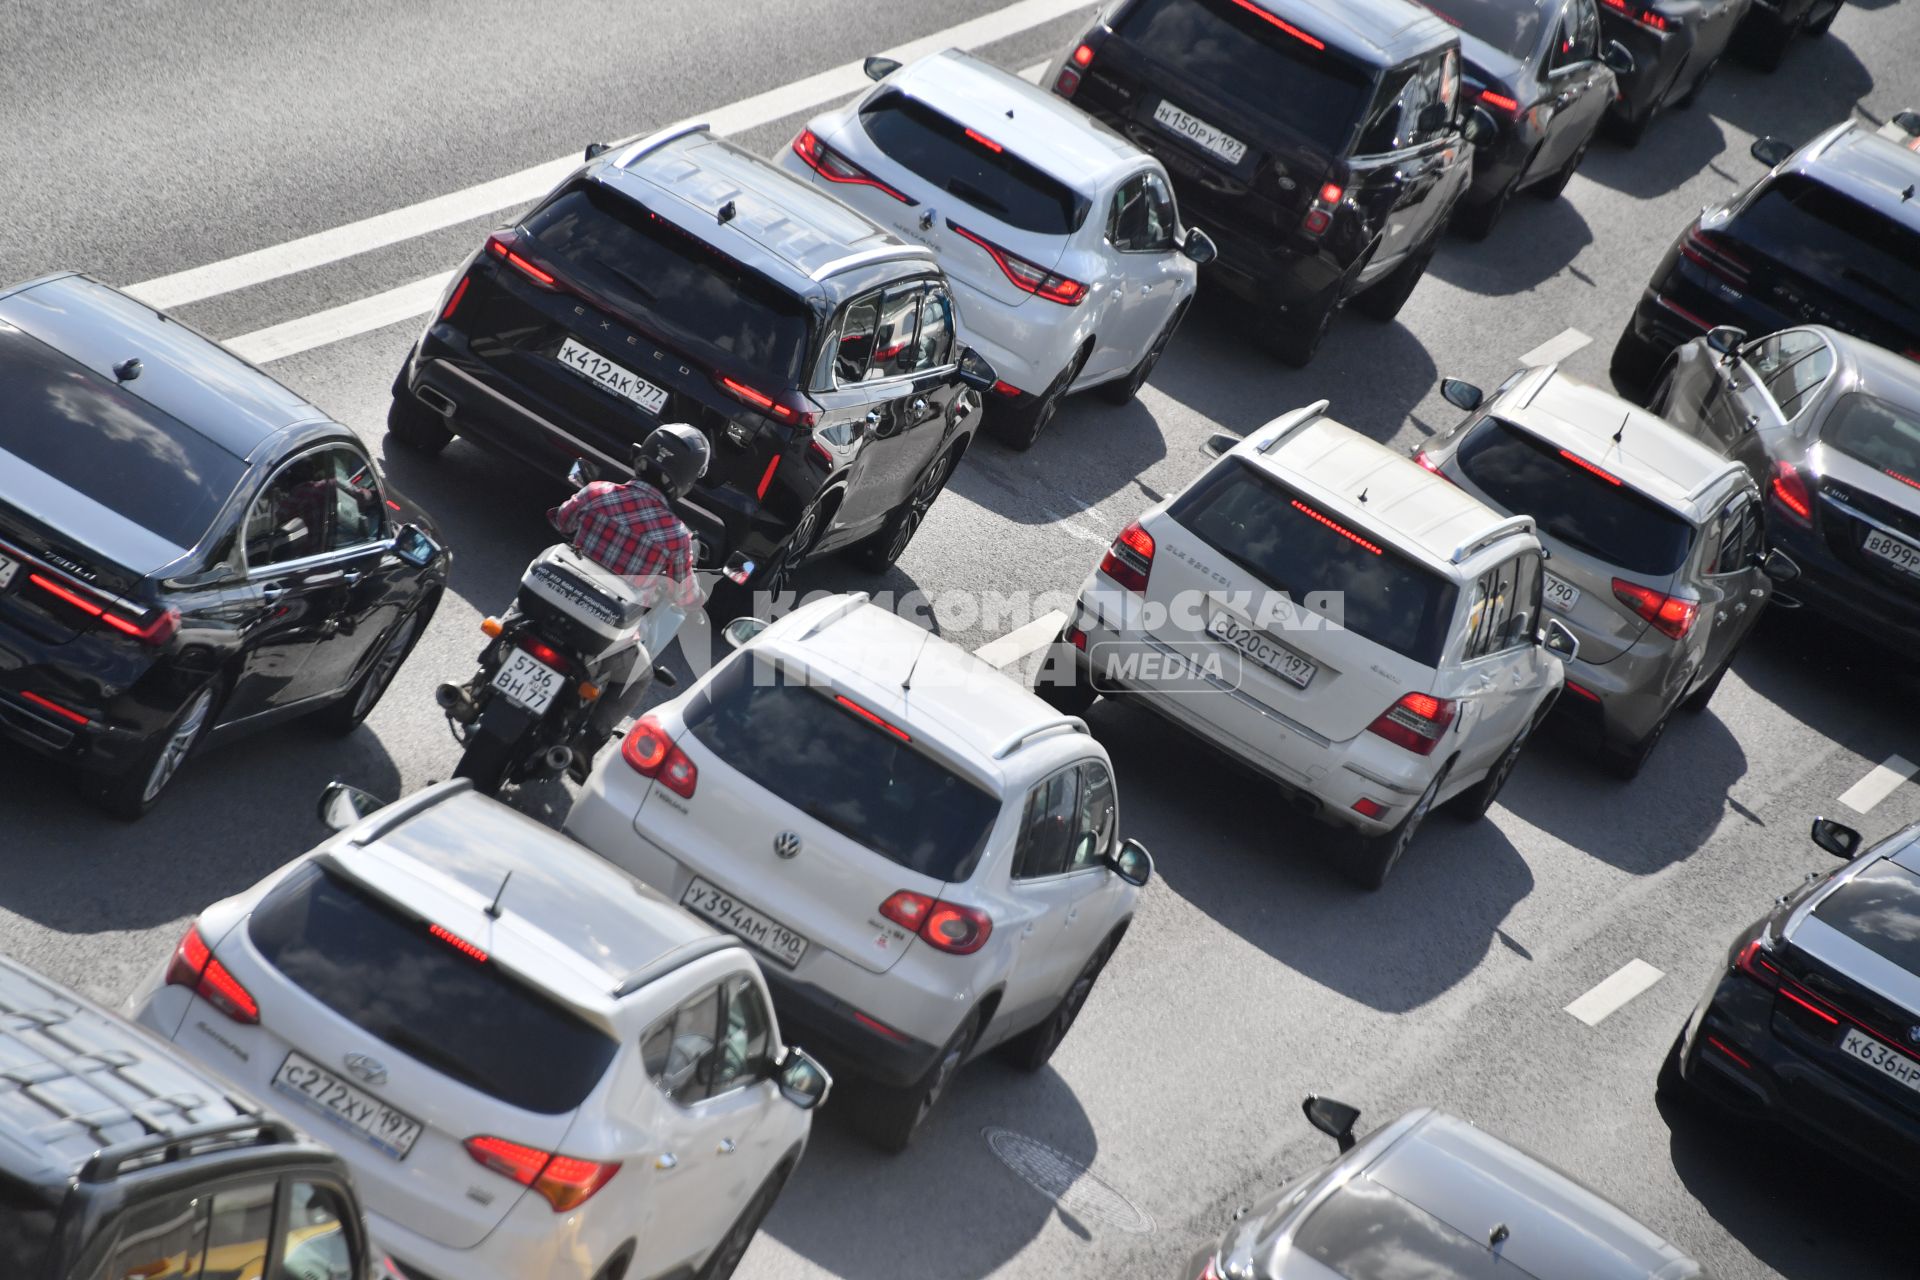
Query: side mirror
x=975, y=372
x=597, y=149
x=1770, y=151
x=342, y=806
x=1433, y=117
x=803, y=1081
x=1132, y=863
x=415, y=547
x=1199, y=246
x=1555, y=638
x=1220, y=442
x=879, y=68
x=741, y=630
x=1909, y=122
x=1725, y=339
x=1836, y=838
x=1778, y=566
x=1618, y=57
x=582, y=473
x=1335, y=1119
x=1461, y=395
x=1479, y=127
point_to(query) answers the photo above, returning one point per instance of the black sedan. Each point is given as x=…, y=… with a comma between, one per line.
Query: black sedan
x=1770, y=25
x=1546, y=77
x=187, y=548
x=1814, y=1023
x=1675, y=44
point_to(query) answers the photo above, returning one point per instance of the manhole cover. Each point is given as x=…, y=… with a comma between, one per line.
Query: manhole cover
x=1066, y=1182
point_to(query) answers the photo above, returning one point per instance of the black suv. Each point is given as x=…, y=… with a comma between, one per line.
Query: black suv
x=1320, y=147
x=1829, y=236
x=683, y=279
x=119, y=1157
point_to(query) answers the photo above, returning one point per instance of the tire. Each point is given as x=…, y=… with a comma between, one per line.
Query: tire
x=890, y=1117
x=1552, y=188
x=1123, y=390
x=1383, y=301
x=1472, y=804
x=416, y=426
x=1761, y=42
x=881, y=551
x=1628, y=130
x=1030, y=1050
x=1071, y=698
x=1293, y=340
x=1476, y=221
x=1018, y=426
x=1374, y=857
x=1696, y=702
x=729, y=600
x=485, y=762
x=344, y=715
x=1633, y=366
x=1817, y=27
x=725, y=1258
x=1692, y=95
x=132, y=793
x=1625, y=760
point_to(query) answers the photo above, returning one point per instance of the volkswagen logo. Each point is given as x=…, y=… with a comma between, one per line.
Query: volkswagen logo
x=362, y=1067
x=786, y=844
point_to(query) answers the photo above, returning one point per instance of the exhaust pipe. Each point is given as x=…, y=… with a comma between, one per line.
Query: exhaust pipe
x=556, y=760
x=438, y=401
x=456, y=702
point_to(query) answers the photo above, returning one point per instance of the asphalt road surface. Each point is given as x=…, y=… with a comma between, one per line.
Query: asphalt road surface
x=154, y=137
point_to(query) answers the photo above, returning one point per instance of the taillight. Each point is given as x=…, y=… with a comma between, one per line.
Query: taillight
x=500, y=245
x=1002, y=387
x=765, y=403
x=458, y=943
x=565, y=1181
x=948, y=926
x=1584, y=465
x=48, y=704
x=1581, y=691
x=877, y=721
x=1706, y=250
x=1129, y=560
x=1068, y=82
x=541, y=651
x=1326, y=521
x=1029, y=276
x=1790, y=491
x=1500, y=101
x=156, y=630
x=1421, y=457
x=1645, y=17
x=766, y=477
x=1417, y=722
x=650, y=752
x=834, y=167
x=1367, y=807
x=194, y=967
x=1753, y=963
x=453, y=303
x=1320, y=212
x=1670, y=615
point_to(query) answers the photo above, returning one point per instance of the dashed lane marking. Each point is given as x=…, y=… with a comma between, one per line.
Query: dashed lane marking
x=1022, y=640
x=1555, y=349
x=1614, y=991
x=1879, y=784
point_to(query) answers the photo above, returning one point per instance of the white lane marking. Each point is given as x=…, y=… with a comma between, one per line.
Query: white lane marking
x=1033, y=73
x=332, y=245
x=1879, y=784
x=1555, y=349
x=1626, y=982
x=1022, y=640
x=335, y=323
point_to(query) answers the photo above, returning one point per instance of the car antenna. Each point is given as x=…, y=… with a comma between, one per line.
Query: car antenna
x=727, y=213
x=493, y=908
x=1623, y=427
x=1363, y=497
x=906, y=685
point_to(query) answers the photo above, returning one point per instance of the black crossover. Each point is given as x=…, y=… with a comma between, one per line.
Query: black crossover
x=1319, y=147
x=682, y=279
x=187, y=548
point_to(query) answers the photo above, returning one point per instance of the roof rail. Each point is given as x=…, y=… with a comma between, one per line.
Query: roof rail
x=1718, y=477
x=1505, y=529
x=853, y=601
x=110, y=1162
x=861, y=257
x=408, y=807
x=684, y=954
x=1289, y=423
x=1051, y=725
x=660, y=138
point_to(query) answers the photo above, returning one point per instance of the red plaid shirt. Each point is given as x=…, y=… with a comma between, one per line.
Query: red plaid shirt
x=630, y=530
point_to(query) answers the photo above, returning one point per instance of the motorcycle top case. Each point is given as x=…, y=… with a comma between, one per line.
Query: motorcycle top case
x=562, y=582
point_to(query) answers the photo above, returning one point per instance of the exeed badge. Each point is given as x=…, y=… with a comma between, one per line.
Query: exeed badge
x=362, y=1067
x=786, y=844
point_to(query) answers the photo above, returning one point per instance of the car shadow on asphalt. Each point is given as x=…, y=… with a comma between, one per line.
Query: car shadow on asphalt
x=1680, y=143
x=1229, y=844
x=1534, y=241
x=1817, y=86
x=1839, y=684
x=1090, y=452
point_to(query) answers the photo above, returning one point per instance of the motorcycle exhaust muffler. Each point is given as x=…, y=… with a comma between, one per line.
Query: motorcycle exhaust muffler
x=456, y=702
x=556, y=760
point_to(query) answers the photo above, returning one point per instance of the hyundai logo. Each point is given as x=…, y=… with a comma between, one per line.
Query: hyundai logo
x=365, y=1068
x=786, y=844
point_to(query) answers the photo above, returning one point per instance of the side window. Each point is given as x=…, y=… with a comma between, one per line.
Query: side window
x=856, y=339
x=1797, y=381
x=291, y=517
x=1161, y=213
x=1142, y=220
x=317, y=1244
x=936, y=331
x=1739, y=537
x=1525, y=617
x=1390, y=127
x=893, y=340
x=1586, y=30
x=1046, y=834
x=680, y=1050
x=1563, y=54
x=238, y=1232
x=1491, y=614
x=1094, y=833
x=744, y=1038
x=356, y=518
x=1766, y=356
x=160, y=1241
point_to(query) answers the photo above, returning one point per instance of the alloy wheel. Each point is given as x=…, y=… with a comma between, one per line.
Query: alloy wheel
x=385, y=666
x=179, y=743
x=792, y=551
x=919, y=502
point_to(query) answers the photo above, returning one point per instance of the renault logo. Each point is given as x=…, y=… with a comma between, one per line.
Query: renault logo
x=786, y=844
x=926, y=220
x=365, y=1068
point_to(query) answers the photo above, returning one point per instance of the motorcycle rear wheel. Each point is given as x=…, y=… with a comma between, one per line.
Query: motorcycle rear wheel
x=485, y=762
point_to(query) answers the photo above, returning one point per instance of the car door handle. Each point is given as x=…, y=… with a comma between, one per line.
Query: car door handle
x=918, y=408
x=1720, y=615
x=1563, y=101
x=873, y=419
x=726, y=1147
x=1756, y=592
x=351, y=577
x=665, y=1161
x=272, y=592
x=1073, y=913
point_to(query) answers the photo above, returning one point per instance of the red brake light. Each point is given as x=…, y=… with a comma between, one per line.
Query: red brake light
x=650, y=753
x=565, y=1181
x=1287, y=27
x=1645, y=17
x=1129, y=561
x=541, y=650
x=501, y=246
x=1809, y=1006
x=1005, y=388
x=834, y=167
x=1670, y=615
x=194, y=967
x=760, y=400
x=1707, y=250
x=1067, y=83
x=766, y=477
x=1417, y=722
x=1332, y=193
x=157, y=630
x=1584, y=465
x=1083, y=56
x=1316, y=221
x=986, y=142
x=1752, y=961
x=907, y=909
x=1368, y=808
x=1422, y=458
x=1509, y=105
x=1338, y=528
x=1790, y=491
x=453, y=303
x=65, y=713
x=1909, y=481
x=1026, y=275
x=871, y=718
x=458, y=943
x=947, y=926
x=1581, y=691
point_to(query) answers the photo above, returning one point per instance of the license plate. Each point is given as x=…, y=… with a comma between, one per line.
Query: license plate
x=1902, y=555
x=1283, y=662
x=735, y=916
x=8, y=567
x=1560, y=594
x=526, y=680
x=351, y=1107
x=1888, y=1062
x=589, y=363
x=1199, y=132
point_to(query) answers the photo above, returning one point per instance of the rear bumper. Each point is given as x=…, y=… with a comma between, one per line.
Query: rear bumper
x=1657, y=58
x=1840, y=593
x=831, y=1030
x=106, y=737
x=1632, y=691
x=531, y=1240
x=1499, y=163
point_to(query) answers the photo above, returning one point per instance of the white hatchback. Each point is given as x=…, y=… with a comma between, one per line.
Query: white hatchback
x=1343, y=621
x=926, y=856
x=1060, y=236
x=532, y=1064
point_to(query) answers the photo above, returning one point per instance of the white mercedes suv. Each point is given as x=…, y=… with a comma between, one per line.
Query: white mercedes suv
x=926, y=856
x=1340, y=619
x=532, y=1064
x=1061, y=237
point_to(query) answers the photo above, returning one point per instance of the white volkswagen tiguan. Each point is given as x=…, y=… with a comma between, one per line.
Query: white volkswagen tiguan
x=926, y=856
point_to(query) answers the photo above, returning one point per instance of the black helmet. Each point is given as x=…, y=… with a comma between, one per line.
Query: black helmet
x=671, y=458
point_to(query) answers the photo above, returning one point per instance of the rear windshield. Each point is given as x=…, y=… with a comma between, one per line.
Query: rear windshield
x=989, y=177
x=674, y=284
x=384, y=972
x=1365, y=1232
x=1523, y=474
x=832, y=764
x=80, y=430
x=1276, y=535
x=1833, y=239
x=1248, y=60
x=1876, y=433
x=1511, y=26
x=1880, y=910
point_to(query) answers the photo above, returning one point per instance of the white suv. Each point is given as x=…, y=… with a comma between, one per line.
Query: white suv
x=533, y=1065
x=928, y=854
x=1060, y=236
x=1345, y=622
